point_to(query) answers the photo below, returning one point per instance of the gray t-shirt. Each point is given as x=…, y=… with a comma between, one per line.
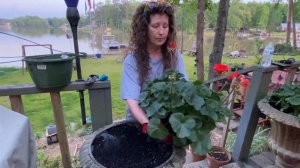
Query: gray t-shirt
x=130, y=88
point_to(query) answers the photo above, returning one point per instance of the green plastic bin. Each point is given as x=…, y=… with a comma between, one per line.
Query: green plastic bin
x=50, y=71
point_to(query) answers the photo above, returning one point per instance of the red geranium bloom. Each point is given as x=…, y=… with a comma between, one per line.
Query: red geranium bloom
x=245, y=82
x=234, y=74
x=172, y=44
x=221, y=67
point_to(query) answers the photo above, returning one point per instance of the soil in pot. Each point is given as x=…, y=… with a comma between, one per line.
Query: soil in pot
x=124, y=146
x=218, y=157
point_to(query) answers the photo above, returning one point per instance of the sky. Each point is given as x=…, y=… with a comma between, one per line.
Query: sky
x=43, y=8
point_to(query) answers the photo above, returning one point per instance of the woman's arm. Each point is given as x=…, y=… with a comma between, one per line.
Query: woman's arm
x=130, y=90
x=137, y=111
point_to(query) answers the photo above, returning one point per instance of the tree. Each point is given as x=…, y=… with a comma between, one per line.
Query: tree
x=211, y=15
x=276, y=17
x=294, y=26
x=217, y=51
x=289, y=19
x=239, y=16
x=199, y=40
x=264, y=17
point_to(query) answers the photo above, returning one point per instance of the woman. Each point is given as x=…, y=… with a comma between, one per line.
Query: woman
x=152, y=50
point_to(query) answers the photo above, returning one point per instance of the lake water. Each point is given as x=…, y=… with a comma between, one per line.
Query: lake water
x=11, y=47
x=90, y=42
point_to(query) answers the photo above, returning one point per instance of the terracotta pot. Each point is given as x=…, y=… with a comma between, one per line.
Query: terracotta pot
x=214, y=163
x=284, y=137
x=196, y=157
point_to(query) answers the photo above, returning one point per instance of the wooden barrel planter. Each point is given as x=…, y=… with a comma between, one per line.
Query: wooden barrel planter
x=285, y=136
x=123, y=145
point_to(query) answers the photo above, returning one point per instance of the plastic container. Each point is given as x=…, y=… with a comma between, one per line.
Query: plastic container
x=50, y=71
x=98, y=55
x=267, y=55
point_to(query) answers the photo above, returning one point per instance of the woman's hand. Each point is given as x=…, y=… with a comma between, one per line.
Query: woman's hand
x=144, y=128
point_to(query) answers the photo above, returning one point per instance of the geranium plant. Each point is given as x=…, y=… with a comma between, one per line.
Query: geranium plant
x=286, y=99
x=186, y=110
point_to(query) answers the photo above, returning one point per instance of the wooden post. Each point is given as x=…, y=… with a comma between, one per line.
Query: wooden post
x=16, y=103
x=298, y=78
x=257, y=90
x=101, y=109
x=291, y=75
x=61, y=131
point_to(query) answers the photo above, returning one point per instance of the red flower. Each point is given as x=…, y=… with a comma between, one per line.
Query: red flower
x=234, y=74
x=221, y=67
x=172, y=44
x=245, y=82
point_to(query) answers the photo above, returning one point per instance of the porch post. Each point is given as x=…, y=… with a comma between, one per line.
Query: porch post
x=257, y=90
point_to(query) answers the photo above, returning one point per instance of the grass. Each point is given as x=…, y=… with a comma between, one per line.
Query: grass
x=259, y=142
x=38, y=106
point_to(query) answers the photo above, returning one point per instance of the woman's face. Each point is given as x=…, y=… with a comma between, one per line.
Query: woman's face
x=158, y=30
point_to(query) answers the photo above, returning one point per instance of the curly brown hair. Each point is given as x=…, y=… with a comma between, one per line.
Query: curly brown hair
x=139, y=37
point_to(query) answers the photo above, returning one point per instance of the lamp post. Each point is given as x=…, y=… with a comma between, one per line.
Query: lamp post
x=73, y=18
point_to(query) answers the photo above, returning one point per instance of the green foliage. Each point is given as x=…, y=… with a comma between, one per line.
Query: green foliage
x=286, y=99
x=277, y=16
x=57, y=22
x=44, y=161
x=77, y=130
x=29, y=21
x=189, y=110
x=260, y=140
x=7, y=70
x=283, y=48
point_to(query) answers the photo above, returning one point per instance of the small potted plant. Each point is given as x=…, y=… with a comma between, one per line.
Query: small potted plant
x=187, y=111
x=283, y=107
x=217, y=157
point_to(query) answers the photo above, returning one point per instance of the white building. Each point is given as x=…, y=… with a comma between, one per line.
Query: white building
x=283, y=27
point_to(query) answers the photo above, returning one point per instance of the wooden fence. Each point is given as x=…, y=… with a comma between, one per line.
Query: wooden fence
x=100, y=106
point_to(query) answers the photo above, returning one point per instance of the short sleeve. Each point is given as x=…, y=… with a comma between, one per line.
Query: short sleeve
x=180, y=65
x=130, y=88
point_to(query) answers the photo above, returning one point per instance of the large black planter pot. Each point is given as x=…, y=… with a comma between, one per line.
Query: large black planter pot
x=123, y=145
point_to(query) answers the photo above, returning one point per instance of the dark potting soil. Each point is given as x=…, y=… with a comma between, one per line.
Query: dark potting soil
x=218, y=155
x=125, y=146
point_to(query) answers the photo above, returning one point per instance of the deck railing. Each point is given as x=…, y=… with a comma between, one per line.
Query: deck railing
x=257, y=90
x=101, y=109
x=99, y=99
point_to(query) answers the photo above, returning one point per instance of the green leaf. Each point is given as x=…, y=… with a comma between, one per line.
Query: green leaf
x=213, y=115
x=202, y=147
x=182, y=125
x=156, y=130
x=161, y=113
x=181, y=142
x=153, y=108
x=143, y=96
x=159, y=86
x=295, y=100
x=197, y=102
